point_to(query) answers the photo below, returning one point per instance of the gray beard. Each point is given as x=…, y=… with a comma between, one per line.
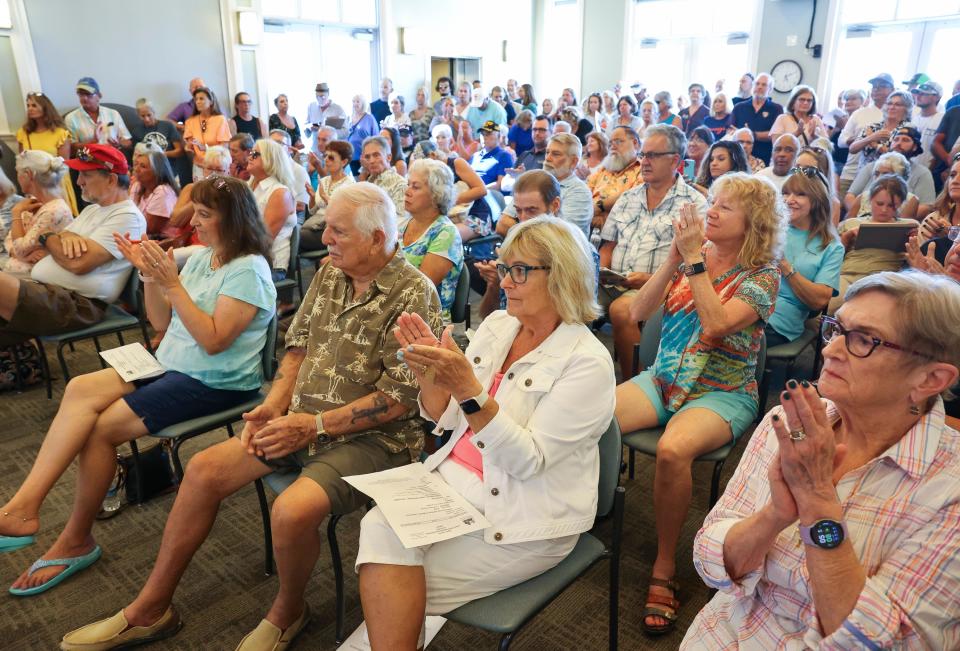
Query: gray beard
x=615, y=163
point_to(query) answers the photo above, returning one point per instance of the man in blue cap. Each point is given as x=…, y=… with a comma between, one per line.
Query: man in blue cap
x=880, y=88
x=95, y=124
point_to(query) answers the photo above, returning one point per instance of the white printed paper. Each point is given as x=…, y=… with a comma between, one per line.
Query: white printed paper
x=359, y=641
x=133, y=362
x=421, y=508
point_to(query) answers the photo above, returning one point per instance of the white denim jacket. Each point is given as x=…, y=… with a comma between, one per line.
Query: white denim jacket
x=541, y=461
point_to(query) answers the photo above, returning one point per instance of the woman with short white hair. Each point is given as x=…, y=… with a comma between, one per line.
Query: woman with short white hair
x=272, y=182
x=534, y=440
x=43, y=211
x=840, y=527
x=429, y=240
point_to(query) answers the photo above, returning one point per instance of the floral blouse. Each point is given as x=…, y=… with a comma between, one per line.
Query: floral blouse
x=53, y=216
x=442, y=239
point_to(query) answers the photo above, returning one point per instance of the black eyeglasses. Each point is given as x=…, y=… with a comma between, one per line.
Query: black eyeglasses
x=518, y=272
x=653, y=155
x=810, y=172
x=859, y=344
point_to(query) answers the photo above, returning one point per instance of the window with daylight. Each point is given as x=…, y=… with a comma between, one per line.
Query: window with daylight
x=900, y=37
x=309, y=41
x=562, y=37
x=673, y=43
x=5, y=22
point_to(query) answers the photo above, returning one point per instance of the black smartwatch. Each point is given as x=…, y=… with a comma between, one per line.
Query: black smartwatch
x=42, y=240
x=474, y=404
x=694, y=269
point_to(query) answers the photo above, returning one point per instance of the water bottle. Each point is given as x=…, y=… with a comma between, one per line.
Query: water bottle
x=595, y=238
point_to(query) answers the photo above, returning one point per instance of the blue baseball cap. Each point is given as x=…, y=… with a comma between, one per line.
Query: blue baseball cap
x=88, y=85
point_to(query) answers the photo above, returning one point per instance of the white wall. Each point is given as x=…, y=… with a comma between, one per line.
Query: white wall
x=783, y=19
x=604, y=30
x=445, y=28
x=133, y=48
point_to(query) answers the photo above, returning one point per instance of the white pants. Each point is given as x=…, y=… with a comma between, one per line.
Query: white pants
x=461, y=569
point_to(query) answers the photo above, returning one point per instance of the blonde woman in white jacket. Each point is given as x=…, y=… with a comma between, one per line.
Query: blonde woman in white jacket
x=527, y=404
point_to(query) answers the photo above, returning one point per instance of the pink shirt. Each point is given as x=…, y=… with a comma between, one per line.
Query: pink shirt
x=465, y=452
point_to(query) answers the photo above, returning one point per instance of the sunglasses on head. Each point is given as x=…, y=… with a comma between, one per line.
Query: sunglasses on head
x=810, y=173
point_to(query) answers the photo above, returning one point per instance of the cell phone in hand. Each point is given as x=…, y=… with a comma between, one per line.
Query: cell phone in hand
x=689, y=169
x=611, y=277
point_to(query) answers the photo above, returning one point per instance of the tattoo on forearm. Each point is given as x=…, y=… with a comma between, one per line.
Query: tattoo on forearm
x=373, y=414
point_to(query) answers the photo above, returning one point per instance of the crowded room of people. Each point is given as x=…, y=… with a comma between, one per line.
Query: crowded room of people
x=395, y=325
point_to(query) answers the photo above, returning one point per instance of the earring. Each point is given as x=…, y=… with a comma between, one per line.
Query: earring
x=914, y=409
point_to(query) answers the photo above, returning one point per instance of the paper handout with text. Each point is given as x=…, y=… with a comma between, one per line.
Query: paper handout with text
x=133, y=362
x=419, y=505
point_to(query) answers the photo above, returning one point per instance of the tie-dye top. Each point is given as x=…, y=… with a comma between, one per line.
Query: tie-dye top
x=690, y=364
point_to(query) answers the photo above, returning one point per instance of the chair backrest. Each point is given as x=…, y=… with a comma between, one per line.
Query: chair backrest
x=611, y=450
x=294, y=252
x=268, y=357
x=131, y=294
x=461, y=297
x=498, y=197
x=650, y=339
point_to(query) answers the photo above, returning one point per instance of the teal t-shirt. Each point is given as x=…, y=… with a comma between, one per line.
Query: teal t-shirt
x=816, y=263
x=237, y=368
x=443, y=239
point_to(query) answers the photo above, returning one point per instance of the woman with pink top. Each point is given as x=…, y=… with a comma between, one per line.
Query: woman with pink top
x=523, y=448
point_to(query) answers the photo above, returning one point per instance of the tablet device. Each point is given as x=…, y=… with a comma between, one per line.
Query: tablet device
x=335, y=122
x=611, y=277
x=890, y=237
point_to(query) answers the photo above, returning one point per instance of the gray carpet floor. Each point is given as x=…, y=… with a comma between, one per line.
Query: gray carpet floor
x=225, y=591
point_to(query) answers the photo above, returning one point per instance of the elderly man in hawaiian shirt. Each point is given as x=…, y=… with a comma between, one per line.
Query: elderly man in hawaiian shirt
x=341, y=404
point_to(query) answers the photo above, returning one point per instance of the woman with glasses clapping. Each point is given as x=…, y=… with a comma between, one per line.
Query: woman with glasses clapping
x=840, y=527
x=524, y=445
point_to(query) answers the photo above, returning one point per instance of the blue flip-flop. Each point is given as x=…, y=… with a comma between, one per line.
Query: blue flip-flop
x=72, y=566
x=10, y=543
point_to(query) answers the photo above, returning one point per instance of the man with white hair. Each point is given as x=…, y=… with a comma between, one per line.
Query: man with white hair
x=483, y=110
x=341, y=404
x=576, y=205
x=619, y=172
x=880, y=88
x=325, y=135
x=638, y=233
x=376, y=161
x=325, y=112
x=758, y=115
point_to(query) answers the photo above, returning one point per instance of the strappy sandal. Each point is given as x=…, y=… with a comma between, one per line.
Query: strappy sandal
x=657, y=611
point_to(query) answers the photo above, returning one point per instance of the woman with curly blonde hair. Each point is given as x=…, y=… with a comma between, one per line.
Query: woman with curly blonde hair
x=717, y=289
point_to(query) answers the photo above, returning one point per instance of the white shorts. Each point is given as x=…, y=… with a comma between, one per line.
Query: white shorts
x=461, y=569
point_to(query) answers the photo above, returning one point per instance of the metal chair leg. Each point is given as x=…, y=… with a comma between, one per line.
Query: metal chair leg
x=632, y=463
x=337, y=575
x=63, y=363
x=267, y=534
x=139, y=469
x=505, y=641
x=45, y=368
x=715, y=482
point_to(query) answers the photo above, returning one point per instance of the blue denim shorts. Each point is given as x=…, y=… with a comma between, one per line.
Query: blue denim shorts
x=737, y=409
x=173, y=397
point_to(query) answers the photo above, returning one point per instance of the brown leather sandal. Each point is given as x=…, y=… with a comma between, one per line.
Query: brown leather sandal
x=657, y=611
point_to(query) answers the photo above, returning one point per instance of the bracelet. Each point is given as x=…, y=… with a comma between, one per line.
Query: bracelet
x=144, y=279
x=789, y=275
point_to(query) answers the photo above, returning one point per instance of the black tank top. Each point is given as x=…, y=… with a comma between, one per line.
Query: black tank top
x=251, y=126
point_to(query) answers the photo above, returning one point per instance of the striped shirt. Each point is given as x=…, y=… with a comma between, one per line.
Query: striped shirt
x=902, y=511
x=643, y=236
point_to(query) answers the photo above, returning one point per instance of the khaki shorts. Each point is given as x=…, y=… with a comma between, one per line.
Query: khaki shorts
x=48, y=310
x=359, y=456
x=607, y=294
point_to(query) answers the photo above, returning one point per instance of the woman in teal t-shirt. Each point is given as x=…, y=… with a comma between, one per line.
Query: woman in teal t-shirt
x=429, y=240
x=216, y=313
